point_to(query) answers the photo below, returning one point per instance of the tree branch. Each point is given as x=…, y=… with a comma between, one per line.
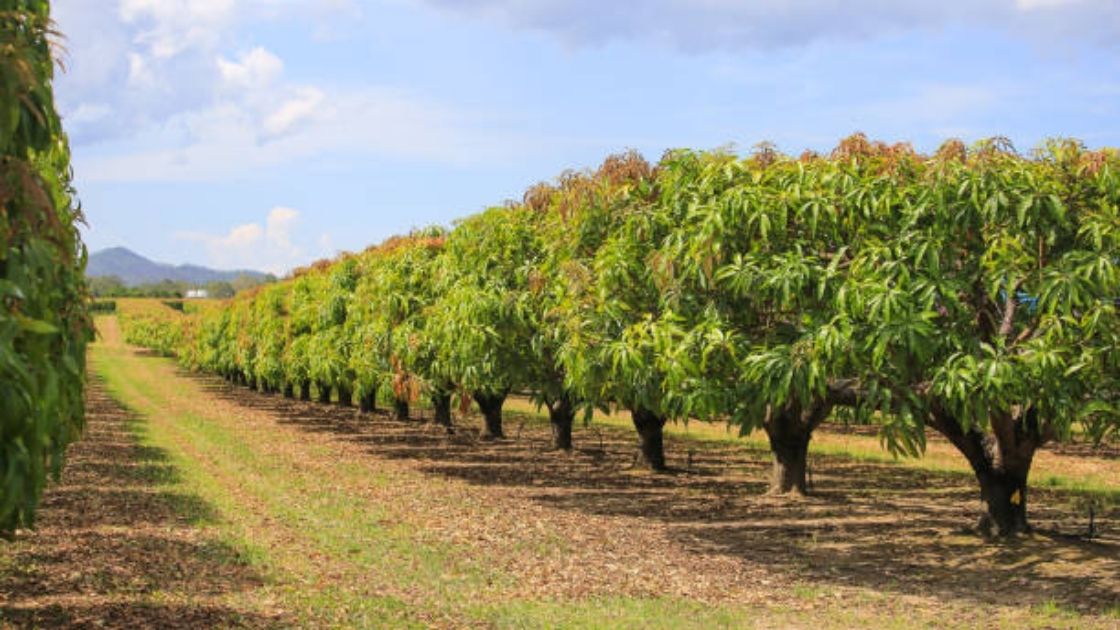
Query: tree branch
x=844, y=391
x=1010, y=304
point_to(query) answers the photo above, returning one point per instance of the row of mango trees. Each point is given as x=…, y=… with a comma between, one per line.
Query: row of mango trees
x=971, y=293
x=44, y=319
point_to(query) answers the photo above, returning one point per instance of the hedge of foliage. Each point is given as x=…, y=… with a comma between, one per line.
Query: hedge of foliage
x=44, y=324
x=972, y=292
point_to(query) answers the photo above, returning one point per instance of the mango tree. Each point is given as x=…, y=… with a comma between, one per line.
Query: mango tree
x=303, y=313
x=991, y=315
x=478, y=326
x=244, y=343
x=369, y=355
x=754, y=268
x=44, y=313
x=541, y=306
x=329, y=346
x=212, y=344
x=270, y=312
x=405, y=286
x=619, y=340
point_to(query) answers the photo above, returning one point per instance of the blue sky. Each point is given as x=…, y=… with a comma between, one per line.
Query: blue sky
x=269, y=133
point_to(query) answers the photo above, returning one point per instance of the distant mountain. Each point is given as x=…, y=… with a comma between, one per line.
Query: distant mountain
x=133, y=269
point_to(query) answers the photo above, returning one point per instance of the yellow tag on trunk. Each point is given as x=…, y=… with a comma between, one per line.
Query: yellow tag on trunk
x=1016, y=498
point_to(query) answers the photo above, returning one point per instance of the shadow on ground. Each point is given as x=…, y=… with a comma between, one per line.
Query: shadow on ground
x=888, y=528
x=117, y=545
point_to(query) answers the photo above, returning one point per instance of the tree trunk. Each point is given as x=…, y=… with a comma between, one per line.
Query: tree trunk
x=368, y=402
x=305, y=391
x=1004, y=495
x=400, y=406
x=1001, y=462
x=491, y=407
x=252, y=383
x=441, y=405
x=324, y=394
x=561, y=414
x=289, y=390
x=790, y=430
x=651, y=437
x=345, y=396
x=790, y=452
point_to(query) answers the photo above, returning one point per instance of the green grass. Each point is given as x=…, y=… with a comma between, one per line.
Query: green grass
x=1051, y=610
x=655, y=614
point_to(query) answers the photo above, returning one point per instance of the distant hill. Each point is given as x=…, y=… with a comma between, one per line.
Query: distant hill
x=133, y=269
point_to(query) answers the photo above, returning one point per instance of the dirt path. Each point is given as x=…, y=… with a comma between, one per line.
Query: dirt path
x=119, y=544
x=364, y=521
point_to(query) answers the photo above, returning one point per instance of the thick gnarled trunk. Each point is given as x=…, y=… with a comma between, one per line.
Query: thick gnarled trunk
x=400, y=409
x=561, y=415
x=1001, y=462
x=1004, y=494
x=491, y=407
x=367, y=403
x=441, y=407
x=345, y=396
x=305, y=391
x=651, y=437
x=324, y=394
x=289, y=390
x=790, y=429
x=790, y=452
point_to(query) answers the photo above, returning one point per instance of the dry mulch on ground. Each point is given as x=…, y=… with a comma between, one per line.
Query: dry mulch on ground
x=116, y=545
x=589, y=523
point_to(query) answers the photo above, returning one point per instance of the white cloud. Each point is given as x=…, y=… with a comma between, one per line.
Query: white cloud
x=241, y=236
x=268, y=247
x=1031, y=5
x=140, y=72
x=88, y=113
x=940, y=102
x=150, y=61
x=701, y=25
x=233, y=138
x=279, y=226
x=301, y=106
x=171, y=102
x=169, y=27
x=255, y=69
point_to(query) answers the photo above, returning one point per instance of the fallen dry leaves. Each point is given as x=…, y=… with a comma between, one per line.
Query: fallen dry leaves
x=115, y=548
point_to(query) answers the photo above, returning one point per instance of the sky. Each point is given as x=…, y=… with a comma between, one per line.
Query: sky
x=266, y=134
